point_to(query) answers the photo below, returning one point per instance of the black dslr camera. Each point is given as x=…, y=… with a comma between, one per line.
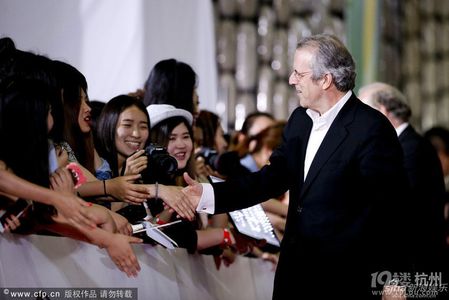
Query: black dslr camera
x=227, y=164
x=161, y=166
x=210, y=156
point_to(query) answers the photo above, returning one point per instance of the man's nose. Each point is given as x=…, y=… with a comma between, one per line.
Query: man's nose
x=292, y=79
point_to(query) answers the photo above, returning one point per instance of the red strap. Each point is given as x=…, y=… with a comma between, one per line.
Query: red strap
x=227, y=241
x=159, y=221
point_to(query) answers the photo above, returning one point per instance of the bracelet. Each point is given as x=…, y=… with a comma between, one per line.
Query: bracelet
x=104, y=188
x=157, y=190
x=227, y=241
x=159, y=221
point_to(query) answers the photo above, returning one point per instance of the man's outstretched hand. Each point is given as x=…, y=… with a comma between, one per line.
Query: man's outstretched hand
x=193, y=191
x=177, y=201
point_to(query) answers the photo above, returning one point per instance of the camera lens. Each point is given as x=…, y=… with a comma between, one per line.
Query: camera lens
x=161, y=166
x=165, y=163
x=210, y=156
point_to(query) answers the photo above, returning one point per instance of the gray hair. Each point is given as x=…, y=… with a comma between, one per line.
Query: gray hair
x=331, y=57
x=389, y=97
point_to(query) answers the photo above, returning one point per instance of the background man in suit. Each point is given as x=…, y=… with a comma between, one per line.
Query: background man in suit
x=421, y=162
x=342, y=162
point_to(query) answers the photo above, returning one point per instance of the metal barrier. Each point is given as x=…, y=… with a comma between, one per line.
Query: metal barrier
x=56, y=262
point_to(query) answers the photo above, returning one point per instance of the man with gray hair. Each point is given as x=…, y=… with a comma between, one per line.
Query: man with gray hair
x=341, y=162
x=424, y=174
x=389, y=101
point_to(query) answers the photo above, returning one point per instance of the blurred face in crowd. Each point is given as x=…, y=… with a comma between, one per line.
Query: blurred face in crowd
x=259, y=124
x=84, y=114
x=196, y=104
x=131, y=132
x=309, y=91
x=221, y=145
x=180, y=145
x=198, y=136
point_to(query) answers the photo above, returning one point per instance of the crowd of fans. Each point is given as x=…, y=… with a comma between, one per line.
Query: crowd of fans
x=129, y=155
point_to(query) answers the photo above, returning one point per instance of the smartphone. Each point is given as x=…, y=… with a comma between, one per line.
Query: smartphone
x=16, y=209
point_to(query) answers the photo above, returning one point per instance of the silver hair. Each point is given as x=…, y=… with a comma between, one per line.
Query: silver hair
x=331, y=57
x=389, y=97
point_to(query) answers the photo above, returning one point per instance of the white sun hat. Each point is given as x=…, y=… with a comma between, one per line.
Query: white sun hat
x=161, y=112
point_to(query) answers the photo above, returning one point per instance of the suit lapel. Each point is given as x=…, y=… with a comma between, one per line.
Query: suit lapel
x=408, y=131
x=304, y=137
x=333, y=139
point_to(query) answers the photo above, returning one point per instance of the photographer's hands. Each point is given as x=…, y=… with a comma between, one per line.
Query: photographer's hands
x=200, y=166
x=136, y=163
x=204, y=169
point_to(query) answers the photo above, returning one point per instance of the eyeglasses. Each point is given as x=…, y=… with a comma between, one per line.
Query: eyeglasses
x=299, y=76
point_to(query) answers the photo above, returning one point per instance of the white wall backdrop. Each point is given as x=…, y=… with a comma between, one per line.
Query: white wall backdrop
x=115, y=43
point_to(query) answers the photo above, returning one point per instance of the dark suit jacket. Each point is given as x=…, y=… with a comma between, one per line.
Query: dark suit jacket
x=426, y=203
x=343, y=222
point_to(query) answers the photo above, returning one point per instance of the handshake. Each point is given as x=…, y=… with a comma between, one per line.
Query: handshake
x=183, y=201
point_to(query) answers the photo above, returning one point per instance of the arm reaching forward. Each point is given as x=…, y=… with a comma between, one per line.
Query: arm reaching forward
x=67, y=204
x=175, y=199
x=193, y=191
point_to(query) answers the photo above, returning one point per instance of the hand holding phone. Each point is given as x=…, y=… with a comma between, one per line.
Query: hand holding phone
x=77, y=174
x=18, y=208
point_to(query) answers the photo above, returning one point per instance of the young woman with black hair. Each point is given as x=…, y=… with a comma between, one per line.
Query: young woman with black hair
x=25, y=109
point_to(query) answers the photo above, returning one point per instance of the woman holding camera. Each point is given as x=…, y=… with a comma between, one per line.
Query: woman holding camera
x=74, y=139
x=123, y=130
x=172, y=128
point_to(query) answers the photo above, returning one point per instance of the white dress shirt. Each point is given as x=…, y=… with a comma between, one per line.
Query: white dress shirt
x=400, y=129
x=321, y=125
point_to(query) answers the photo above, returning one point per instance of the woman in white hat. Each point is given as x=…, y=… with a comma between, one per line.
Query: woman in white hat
x=172, y=128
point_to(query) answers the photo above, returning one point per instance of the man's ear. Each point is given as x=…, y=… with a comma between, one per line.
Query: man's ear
x=383, y=110
x=327, y=80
